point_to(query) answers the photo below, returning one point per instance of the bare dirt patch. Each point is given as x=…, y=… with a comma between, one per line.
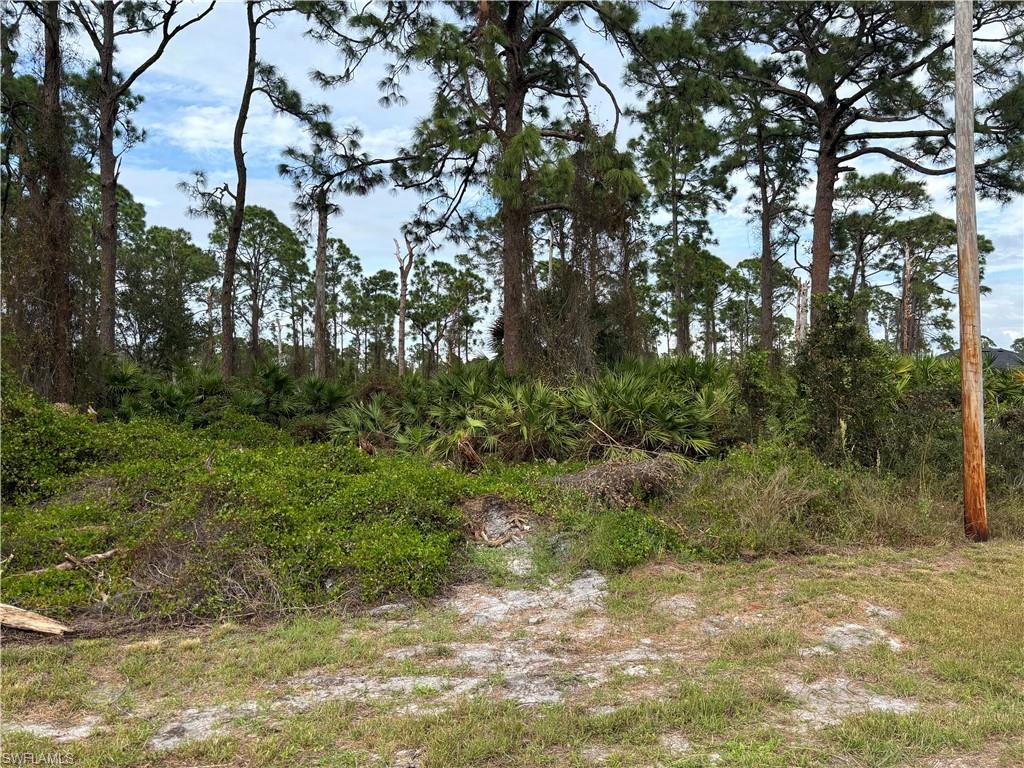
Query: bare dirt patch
x=58, y=732
x=408, y=758
x=549, y=610
x=846, y=637
x=829, y=701
x=546, y=662
x=200, y=723
x=680, y=607
x=578, y=642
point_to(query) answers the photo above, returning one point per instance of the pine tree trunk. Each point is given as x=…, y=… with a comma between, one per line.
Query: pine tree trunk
x=821, y=240
x=630, y=319
x=905, y=311
x=767, y=257
x=320, y=300
x=227, y=293
x=56, y=226
x=684, y=341
x=295, y=329
x=280, y=341
x=334, y=333
x=708, y=334
x=515, y=223
x=861, y=309
x=404, y=267
x=680, y=309
x=108, y=182
x=210, y=344
x=254, y=329
x=515, y=215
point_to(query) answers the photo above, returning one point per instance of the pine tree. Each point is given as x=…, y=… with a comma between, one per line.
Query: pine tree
x=500, y=69
x=870, y=79
x=106, y=24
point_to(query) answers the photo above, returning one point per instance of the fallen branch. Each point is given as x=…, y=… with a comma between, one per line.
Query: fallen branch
x=71, y=561
x=19, y=618
x=621, y=446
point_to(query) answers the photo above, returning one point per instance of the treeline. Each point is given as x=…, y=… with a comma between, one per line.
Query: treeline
x=593, y=253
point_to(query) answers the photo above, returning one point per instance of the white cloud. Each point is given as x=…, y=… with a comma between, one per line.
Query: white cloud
x=205, y=129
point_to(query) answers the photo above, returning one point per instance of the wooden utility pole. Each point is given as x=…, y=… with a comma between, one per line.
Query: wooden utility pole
x=975, y=516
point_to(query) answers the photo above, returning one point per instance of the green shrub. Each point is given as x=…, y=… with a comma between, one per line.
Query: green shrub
x=39, y=443
x=321, y=396
x=628, y=410
x=203, y=528
x=392, y=557
x=54, y=591
x=298, y=519
x=244, y=431
x=311, y=428
x=527, y=420
x=768, y=396
x=922, y=438
x=849, y=383
x=621, y=539
x=269, y=395
x=472, y=411
x=1004, y=451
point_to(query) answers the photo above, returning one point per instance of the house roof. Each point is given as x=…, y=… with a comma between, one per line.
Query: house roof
x=1000, y=359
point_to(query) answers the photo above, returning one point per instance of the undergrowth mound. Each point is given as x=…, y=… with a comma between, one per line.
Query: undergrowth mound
x=218, y=521
x=625, y=482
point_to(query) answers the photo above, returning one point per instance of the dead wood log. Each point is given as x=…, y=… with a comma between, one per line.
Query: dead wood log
x=70, y=561
x=19, y=618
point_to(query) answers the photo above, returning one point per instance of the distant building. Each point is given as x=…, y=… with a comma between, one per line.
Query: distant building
x=1000, y=359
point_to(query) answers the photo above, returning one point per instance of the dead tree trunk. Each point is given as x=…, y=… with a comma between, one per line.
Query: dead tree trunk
x=404, y=268
x=800, y=329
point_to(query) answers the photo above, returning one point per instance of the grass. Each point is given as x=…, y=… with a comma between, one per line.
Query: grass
x=960, y=618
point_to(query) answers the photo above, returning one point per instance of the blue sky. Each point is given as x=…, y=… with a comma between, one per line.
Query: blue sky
x=191, y=97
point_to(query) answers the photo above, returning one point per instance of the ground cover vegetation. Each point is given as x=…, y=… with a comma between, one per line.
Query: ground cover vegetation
x=583, y=489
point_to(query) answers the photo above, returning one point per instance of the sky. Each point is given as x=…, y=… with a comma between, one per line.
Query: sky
x=191, y=99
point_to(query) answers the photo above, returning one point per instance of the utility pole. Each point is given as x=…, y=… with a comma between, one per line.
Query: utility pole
x=975, y=516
